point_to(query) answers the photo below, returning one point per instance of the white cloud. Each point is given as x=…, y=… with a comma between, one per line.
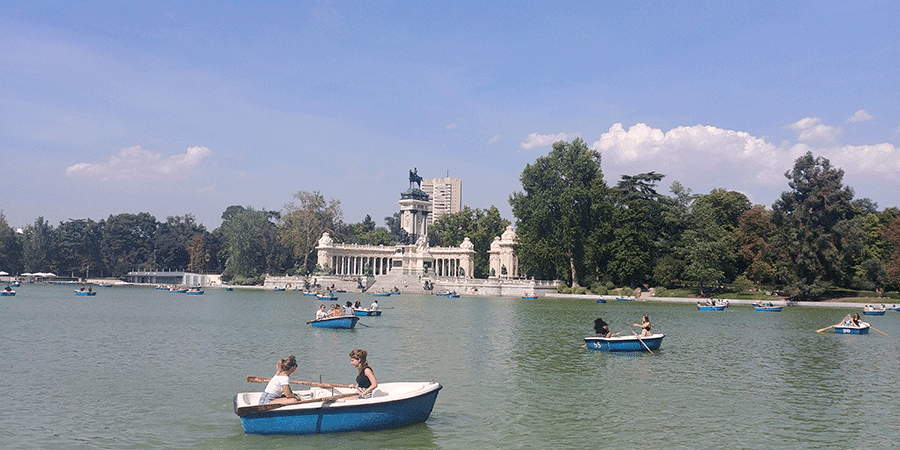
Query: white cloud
x=494, y=139
x=450, y=126
x=137, y=163
x=811, y=130
x=542, y=140
x=860, y=116
x=704, y=157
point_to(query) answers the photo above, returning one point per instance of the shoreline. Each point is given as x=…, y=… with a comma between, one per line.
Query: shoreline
x=851, y=303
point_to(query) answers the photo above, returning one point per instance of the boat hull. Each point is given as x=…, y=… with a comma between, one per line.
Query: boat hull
x=768, y=308
x=343, y=322
x=386, y=294
x=7, y=293
x=620, y=299
x=364, y=312
x=194, y=292
x=376, y=413
x=624, y=343
x=851, y=330
x=85, y=293
x=874, y=313
x=601, y=301
x=711, y=308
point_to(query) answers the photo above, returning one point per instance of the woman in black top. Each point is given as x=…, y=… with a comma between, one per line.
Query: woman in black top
x=365, y=379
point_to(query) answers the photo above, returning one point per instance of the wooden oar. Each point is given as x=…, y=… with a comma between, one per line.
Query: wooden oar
x=252, y=379
x=876, y=329
x=642, y=341
x=823, y=329
x=256, y=409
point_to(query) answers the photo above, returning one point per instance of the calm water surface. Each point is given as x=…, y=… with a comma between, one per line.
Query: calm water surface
x=139, y=368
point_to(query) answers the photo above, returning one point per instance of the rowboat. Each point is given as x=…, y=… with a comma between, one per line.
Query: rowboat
x=381, y=294
x=278, y=289
x=85, y=293
x=623, y=299
x=337, y=410
x=874, y=312
x=711, y=307
x=343, y=322
x=768, y=308
x=15, y=284
x=892, y=308
x=600, y=300
x=624, y=343
x=194, y=292
x=330, y=297
x=844, y=329
x=6, y=293
x=453, y=296
x=367, y=312
x=177, y=291
x=229, y=288
x=529, y=297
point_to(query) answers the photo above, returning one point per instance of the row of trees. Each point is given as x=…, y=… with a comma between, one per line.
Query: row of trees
x=249, y=243
x=573, y=226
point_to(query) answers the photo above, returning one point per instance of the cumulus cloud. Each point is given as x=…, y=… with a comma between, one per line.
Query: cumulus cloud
x=813, y=131
x=705, y=157
x=860, y=116
x=543, y=140
x=136, y=163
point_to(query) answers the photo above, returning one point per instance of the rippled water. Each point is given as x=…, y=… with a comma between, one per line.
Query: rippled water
x=137, y=368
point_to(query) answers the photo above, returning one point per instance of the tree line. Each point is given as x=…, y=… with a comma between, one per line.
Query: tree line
x=815, y=238
x=249, y=243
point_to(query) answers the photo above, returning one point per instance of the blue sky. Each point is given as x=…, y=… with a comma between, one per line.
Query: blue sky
x=189, y=107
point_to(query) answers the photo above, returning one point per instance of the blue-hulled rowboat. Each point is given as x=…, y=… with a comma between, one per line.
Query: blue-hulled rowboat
x=711, y=307
x=874, y=312
x=768, y=308
x=367, y=312
x=85, y=293
x=6, y=293
x=623, y=299
x=624, y=343
x=600, y=300
x=381, y=294
x=392, y=405
x=529, y=297
x=194, y=292
x=844, y=329
x=343, y=322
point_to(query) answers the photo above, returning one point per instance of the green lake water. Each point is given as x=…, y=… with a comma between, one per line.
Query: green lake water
x=140, y=368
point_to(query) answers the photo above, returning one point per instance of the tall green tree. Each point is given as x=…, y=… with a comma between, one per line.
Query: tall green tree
x=556, y=212
x=480, y=226
x=172, y=242
x=126, y=242
x=303, y=223
x=77, y=246
x=809, y=260
x=10, y=248
x=753, y=237
x=710, y=249
x=37, y=246
x=250, y=242
x=637, y=220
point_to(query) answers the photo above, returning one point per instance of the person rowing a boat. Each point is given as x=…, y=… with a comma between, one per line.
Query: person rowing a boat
x=374, y=305
x=602, y=328
x=365, y=378
x=645, y=326
x=278, y=391
x=856, y=321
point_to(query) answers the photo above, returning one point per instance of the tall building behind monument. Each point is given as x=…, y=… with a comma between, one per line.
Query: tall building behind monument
x=445, y=195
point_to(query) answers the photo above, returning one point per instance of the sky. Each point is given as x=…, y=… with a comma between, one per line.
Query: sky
x=182, y=107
